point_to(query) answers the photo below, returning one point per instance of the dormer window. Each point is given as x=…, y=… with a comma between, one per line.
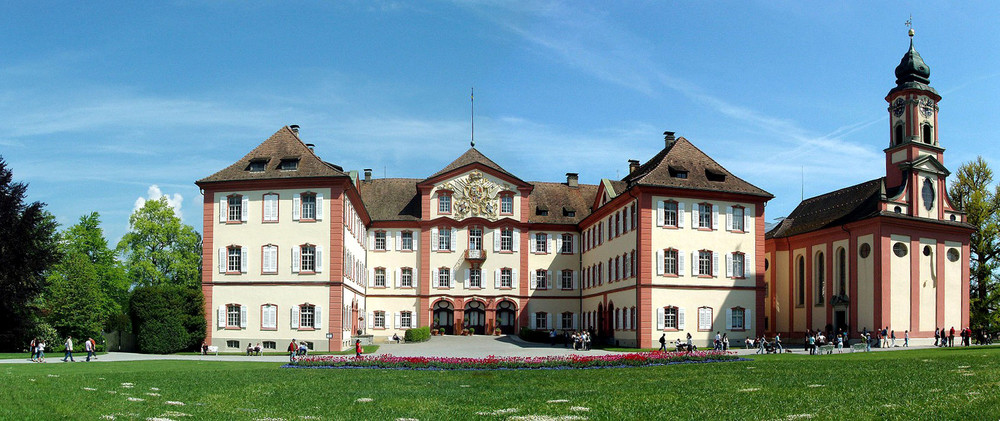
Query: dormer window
x=289, y=164
x=541, y=211
x=677, y=171
x=569, y=212
x=715, y=175
x=257, y=165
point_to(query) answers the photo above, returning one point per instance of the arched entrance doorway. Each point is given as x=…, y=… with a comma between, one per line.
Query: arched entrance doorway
x=506, y=316
x=444, y=316
x=475, y=316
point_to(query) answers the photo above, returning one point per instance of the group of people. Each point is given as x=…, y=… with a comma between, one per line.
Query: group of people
x=947, y=338
x=37, y=349
x=580, y=340
x=254, y=349
x=764, y=346
x=679, y=346
x=721, y=342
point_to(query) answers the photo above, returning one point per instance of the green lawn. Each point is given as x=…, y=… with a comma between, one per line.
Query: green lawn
x=938, y=383
x=48, y=355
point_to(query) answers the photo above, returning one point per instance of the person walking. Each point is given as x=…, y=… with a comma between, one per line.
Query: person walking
x=552, y=337
x=33, y=348
x=937, y=335
x=690, y=344
x=89, y=347
x=663, y=342
x=951, y=337
x=761, y=344
x=358, y=348
x=292, y=348
x=69, y=350
x=777, y=343
x=892, y=336
x=725, y=342
x=840, y=344
x=906, y=339
x=40, y=358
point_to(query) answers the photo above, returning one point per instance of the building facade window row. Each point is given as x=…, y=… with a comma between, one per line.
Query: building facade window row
x=303, y=316
x=673, y=318
x=704, y=216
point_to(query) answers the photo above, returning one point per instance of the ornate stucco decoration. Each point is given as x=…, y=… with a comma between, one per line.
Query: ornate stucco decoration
x=474, y=195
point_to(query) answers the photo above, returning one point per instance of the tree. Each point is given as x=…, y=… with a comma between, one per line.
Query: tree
x=87, y=290
x=27, y=250
x=971, y=192
x=168, y=318
x=159, y=250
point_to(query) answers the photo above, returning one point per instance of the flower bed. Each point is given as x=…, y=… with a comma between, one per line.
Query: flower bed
x=494, y=363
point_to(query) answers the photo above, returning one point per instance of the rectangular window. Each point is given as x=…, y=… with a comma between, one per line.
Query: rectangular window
x=540, y=277
x=475, y=238
x=379, y=320
x=506, y=204
x=444, y=202
x=506, y=278
x=506, y=239
x=444, y=278
x=269, y=259
x=233, y=315
x=271, y=207
x=704, y=215
x=738, y=264
x=444, y=239
x=670, y=262
x=406, y=241
x=308, y=259
x=233, y=344
x=380, y=240
x=406, y=278
x=406, y=320
x=269, y=317
x=567, y=244
x=307, y=316
x=541, y=321
x=670, y=214
x=380, y=277
x=738, y=319
x=234, y=260
x=705, y=318
x=566, y=279
x=670, y=318
x=235, y=208
x=308, y=207
x=737, y=219
x=705, y=263
x=541, y=243
x=475, y=278
x=269, y=345
x=567, y=321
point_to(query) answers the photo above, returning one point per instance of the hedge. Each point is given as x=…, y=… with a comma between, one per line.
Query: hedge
x=168, y=318
x=418, y=334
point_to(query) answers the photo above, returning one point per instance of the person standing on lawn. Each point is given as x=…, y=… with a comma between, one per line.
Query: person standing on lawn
x=33, y=348
x=552, y=337
x=951, y=337
x=892, y=335
x=906, y=339
x=663, y=342
x=69, y=349
x=292, y=348
x=358, y=349
x=88, y=346
x=41, y=352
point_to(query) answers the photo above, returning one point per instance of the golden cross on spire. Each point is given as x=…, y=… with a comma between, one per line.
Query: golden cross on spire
x=909, y=24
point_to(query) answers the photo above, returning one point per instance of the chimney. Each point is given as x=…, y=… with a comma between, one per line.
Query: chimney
x=295, y=129
x=632, y=165
x=572, y=179
x=669, y=139
x=311, y=146
x=368, y=174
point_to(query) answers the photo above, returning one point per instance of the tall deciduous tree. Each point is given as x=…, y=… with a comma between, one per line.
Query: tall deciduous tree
x=27, y=250
x=160, y=250
x=973, y=193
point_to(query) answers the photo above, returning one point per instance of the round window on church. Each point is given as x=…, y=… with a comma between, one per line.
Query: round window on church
x=953, y=254
x=899, y=249
x=865, y=250
x=897, y=209
x=953, y=218
x=927, y=250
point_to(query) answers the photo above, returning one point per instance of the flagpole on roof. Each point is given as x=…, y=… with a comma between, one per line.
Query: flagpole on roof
x=472, y=100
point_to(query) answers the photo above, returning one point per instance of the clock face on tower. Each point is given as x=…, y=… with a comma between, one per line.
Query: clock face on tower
x=898, y=107
x=927, y=108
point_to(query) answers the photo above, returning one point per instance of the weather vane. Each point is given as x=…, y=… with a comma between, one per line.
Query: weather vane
x=909, y=24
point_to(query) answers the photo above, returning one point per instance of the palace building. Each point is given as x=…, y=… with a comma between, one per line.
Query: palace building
x=298, y=248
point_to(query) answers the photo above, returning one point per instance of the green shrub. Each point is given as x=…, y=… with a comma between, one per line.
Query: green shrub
x=168, y=318
x=532, y=335
x=418, y=334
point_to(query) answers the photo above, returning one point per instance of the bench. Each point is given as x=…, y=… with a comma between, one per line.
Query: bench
x=214, y=349
x=826, y=349
x=858, y=347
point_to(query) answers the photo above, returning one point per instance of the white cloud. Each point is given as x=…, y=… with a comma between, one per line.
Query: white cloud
x=154, y=193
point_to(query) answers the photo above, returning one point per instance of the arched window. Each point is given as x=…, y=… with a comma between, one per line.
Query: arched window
x=801, y=299
x=820, y=279
x=842, y=271
x=897, y=137
x=927, y=131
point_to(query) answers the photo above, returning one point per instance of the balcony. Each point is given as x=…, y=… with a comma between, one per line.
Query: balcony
x=475, y=257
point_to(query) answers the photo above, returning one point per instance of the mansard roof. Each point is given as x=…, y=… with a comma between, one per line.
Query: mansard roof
x=391, y=199
x=683, y=156
x=471, y=157
x=849, y=204
x=282, y=145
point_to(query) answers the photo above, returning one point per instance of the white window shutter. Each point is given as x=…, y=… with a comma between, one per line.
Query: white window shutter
x=319, y=259
x=296, y=206
x=371, y=277
x=454, y=240
x=319, y=206
x=222, y=316
x=243, y=260
x=625, y=215
x=695, y=220
x=416, y=242
x=244, y=208
x=532, y=284
x=729, y=218
x=715, y=264
x=243, y=317
x=534, y=321
x=397, y=276
x=295, y=317
x=576, y=281
x=576, y=244
x=396, y=319
x=559, y=243
x=388, y=241
x=748, y=267
x=659, y=262
x=680, y=318
x=747, y=219
x=295, y=259
x=729, y=319
x=222, y=260
x=659, y=213
x=496, y=278
x=747, y=320
x=517, y=239
x=223, y=209
x=729, y=265
x=680, y=263
x=371, y=240
x=659, y=318
x=695, y=270
x=496, y=240
x=318, y=319
x=550, y=242
x=466, y=279
x=515, y=280
x=371, y=319
x=680, y=215
x=451, y=278
x=575, y=324
x=399, y=240
x=434, y=239
x=715, y=216
x=548, y=320
x=415, y=275
x=548, y=279
x=435, y=281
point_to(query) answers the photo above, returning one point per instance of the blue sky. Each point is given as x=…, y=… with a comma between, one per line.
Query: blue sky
x=103, y=105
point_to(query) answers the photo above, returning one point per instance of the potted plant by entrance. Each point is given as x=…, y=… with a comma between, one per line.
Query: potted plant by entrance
x=441, y=331
x=496, y=332
x=472, y=331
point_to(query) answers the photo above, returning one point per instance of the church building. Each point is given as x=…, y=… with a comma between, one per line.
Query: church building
x=298, y=248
